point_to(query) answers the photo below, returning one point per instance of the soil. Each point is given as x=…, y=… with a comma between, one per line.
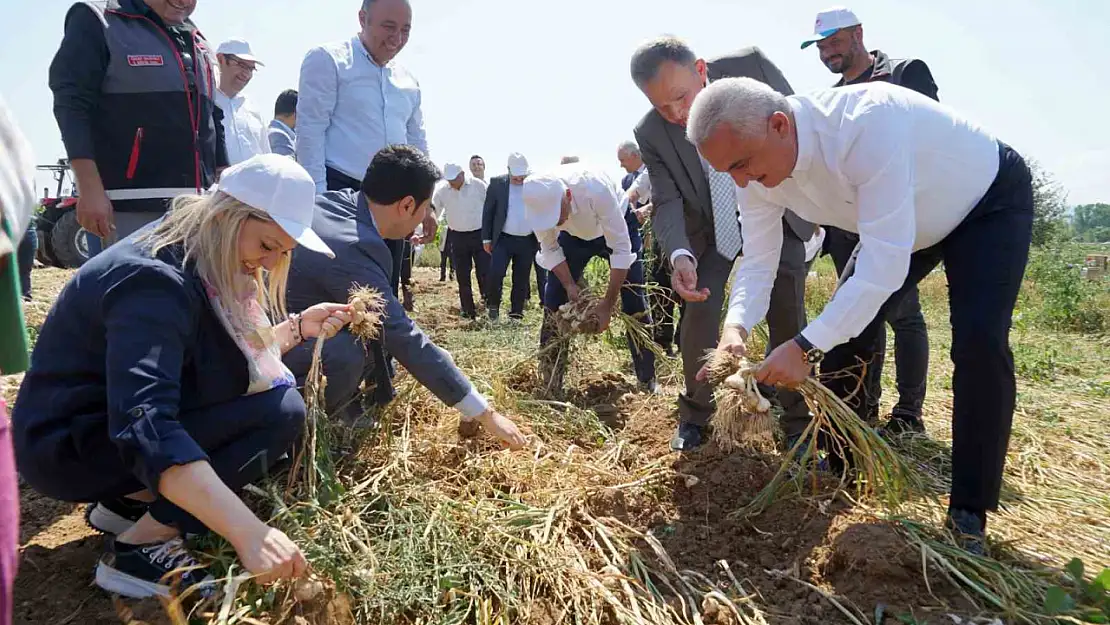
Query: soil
x=844, y=552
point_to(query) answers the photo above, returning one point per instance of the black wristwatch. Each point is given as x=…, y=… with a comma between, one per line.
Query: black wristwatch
x=812, y=354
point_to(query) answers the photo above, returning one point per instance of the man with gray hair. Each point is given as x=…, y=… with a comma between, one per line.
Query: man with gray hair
x=637, y=184
x=921, y=185
x=695, y=221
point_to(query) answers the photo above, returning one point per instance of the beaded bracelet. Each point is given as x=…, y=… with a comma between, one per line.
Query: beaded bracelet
x=295, y=326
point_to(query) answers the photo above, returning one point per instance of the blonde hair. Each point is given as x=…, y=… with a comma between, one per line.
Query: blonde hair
x=207, y=227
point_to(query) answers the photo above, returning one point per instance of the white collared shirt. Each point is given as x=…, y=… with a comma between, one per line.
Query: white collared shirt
x=463, y=207
x=597, y=210
x=349, y=107
x=879, y=160
x=516, y=222
x=245, y=132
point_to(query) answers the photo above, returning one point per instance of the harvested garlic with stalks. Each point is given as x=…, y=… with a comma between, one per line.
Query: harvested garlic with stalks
x=744, y=381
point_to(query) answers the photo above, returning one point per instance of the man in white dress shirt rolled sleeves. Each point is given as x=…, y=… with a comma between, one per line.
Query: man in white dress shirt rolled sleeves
x=355, y=100
x=462, y=198
x=578, y=213
x=921, y=185
x=245, y=132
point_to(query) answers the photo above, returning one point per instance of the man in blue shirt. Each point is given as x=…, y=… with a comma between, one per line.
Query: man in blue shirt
x=282, y=133
x=355, y=100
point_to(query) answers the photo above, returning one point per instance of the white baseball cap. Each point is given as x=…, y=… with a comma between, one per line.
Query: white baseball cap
x=829, y=21
x=283, y=189
x=543, y=199
x=238, y=47
x=518, y=165
x=451, y=171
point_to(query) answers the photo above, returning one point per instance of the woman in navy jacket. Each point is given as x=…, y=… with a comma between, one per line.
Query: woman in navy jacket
x=156, y=388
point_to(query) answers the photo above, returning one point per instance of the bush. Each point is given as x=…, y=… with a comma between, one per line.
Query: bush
x=1057, y=297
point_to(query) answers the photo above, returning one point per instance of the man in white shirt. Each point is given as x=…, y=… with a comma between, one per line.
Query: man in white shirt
x=462, y=199
x=283, y=127
x=577, y=214
x=354, y=100
x=921, y=185
x=244, y=129
x=507, y=238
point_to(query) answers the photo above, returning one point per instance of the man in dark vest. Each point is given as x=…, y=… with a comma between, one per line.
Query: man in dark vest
x=133, y=83
x=838, y=34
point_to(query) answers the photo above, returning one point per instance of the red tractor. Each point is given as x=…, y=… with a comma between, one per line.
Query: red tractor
x=62, y=241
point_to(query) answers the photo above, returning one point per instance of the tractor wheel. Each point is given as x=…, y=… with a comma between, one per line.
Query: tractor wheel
x=68, y=240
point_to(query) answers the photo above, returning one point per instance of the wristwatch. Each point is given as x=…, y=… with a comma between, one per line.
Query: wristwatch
x=812, y=354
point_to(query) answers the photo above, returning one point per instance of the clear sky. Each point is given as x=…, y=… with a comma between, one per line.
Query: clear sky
x=549, y=78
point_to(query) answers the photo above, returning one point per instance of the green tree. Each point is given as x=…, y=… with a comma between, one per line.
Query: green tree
x=1092, y=222
x=1050, y=206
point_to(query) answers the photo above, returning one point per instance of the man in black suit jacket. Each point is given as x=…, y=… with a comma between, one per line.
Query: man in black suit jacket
x=695, y=209
x=507, y=238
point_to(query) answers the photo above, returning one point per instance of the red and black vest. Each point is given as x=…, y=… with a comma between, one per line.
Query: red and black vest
x=154, y=130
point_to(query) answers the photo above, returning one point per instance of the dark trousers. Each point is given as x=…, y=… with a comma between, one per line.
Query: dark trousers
x=346, y=362
x=578, y=254
x=445, y=262
x=408, y=258
x=466, y=248
x=984, y=259
x=663, y=299
x=911, y=340
x=701, y=322
x=521, y=251
x=25, y=258
x=243, y=439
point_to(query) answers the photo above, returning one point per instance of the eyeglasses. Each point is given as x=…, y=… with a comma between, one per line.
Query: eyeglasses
x=241, y=64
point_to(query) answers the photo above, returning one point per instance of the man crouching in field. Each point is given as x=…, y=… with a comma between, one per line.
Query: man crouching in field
x=921, y=184
x=394, y=197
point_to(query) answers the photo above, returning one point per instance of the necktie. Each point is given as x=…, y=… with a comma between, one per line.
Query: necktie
x=726, y=225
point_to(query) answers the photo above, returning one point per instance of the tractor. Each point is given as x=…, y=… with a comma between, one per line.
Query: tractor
x=62, y=241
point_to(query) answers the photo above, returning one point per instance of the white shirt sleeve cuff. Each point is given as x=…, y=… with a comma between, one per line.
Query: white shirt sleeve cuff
x=735, y=317
x=472, y=406
x=823, y=337
x=621, y=261
x=683, y=252
x=550, y=260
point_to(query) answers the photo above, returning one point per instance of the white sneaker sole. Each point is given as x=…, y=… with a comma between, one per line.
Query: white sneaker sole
x=126, y=585
x=104, y=520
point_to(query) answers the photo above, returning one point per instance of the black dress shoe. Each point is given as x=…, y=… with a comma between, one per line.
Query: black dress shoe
x=899, y=425
x=688, y=437
x=968, y=527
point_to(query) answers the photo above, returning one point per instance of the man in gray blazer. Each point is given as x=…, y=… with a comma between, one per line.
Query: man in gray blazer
x=696, y=220
x=394, y=197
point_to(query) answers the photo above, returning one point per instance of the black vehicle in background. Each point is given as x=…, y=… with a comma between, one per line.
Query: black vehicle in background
x=62, y=241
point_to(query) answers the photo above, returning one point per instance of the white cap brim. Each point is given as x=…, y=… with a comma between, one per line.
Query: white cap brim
x=518, y=172
x=304, y=236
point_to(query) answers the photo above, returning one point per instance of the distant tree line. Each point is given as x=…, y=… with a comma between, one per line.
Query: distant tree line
x=1051, y=222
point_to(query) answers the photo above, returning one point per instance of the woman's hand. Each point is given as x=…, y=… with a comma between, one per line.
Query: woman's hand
x=496, y=424
x=270, y=555
x=324, y=320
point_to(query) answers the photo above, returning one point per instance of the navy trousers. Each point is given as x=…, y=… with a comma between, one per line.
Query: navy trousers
x=521, y=252
x=984, y=259
x=578, y=254
x=243, y=439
